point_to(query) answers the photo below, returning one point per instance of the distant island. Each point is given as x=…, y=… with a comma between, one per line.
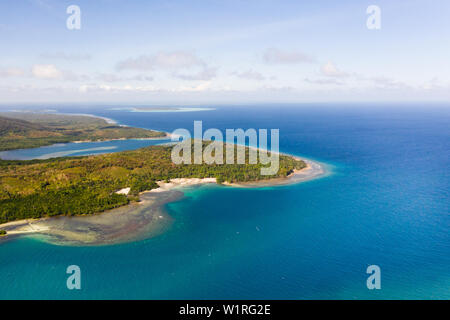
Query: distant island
x=162, y=109
x=21, y=130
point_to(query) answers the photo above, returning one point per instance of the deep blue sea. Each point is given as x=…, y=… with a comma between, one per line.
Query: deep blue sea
x=386, y=202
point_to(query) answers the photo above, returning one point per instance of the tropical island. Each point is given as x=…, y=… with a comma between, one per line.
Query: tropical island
x=84, y=186
x=87, y=185
x=162, y=109
x=90, y=184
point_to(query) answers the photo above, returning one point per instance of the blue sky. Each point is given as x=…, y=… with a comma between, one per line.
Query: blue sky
x=199, y=52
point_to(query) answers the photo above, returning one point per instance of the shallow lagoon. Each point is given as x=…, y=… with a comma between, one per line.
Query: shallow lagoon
x=79, y=149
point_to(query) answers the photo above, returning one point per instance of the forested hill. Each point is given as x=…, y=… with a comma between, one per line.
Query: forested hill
x=29, y=130
x=86, y=185
x=9, y=125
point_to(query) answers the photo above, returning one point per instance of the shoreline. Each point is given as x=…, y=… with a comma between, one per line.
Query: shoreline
x=133, y=222
x=170, y=109
x=23, y=226
x=137, y=220
x=167, y=136
x=312, y=171
x=108, y=120
x=55, y=112
x=112, y=121
x=98, y=228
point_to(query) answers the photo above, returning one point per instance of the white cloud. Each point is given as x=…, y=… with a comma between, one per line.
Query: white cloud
x=276, y=56
x=46, y=71
x=204, y=75
x=249, y=74
x=141, y=77
x=278, y=88
x=111, y=77
x=66, y=56
x=51, y=72
x=11, y=72
x=71, y=76
x=131, y=88
x=201, y=87
x=434, y=83
x=110, y=88
x=323, y=81
x=388, y=83
x=330, y=70
x=162, y=60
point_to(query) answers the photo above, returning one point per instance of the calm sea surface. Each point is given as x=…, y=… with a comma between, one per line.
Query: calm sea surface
x=385, y=202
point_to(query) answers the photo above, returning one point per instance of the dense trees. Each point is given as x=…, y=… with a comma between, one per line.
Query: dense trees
x=86, y=185
x=46, y=129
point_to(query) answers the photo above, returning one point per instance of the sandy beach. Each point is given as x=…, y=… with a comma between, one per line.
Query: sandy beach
x=139, y=220
x=136, y=221
x=313, y=170
x=24, y=226
x=180, y=182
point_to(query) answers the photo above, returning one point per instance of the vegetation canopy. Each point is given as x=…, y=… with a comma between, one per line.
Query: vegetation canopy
x=87, y=185
x=20, y=130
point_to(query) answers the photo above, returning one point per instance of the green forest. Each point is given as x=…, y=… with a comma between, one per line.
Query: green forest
x=87, y=185
x=30, y=130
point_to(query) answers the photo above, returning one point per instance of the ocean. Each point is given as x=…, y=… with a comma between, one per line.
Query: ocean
x=384, y=202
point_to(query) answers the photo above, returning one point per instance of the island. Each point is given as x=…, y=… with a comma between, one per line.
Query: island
x=20, y=130
x=131, y=185
x=162, y=109
x=87, y=185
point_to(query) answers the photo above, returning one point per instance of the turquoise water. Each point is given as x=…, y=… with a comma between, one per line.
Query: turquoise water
x=78, y=149
x=386, y=202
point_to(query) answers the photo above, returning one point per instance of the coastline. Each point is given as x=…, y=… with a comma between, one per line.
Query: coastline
x=167, y=136
x=108, y=120
x=171, y=109
x=112, y=121
x=55, y=112
x=138, y=220
x=23, y=226
x=312, y=170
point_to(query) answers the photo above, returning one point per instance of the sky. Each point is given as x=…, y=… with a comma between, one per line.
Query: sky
x=224, y=51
